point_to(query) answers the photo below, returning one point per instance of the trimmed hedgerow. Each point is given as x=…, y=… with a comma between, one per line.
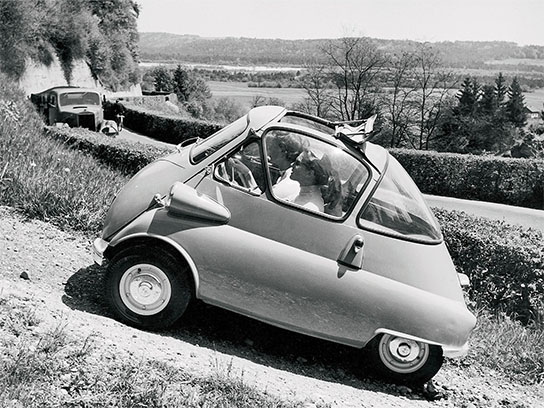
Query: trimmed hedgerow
x=495, y=179
x=505, y=263
x=122, y=155
x=165, y=128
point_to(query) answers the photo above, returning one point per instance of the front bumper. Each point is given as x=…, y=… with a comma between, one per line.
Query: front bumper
x=456, y=352
x=99, y=247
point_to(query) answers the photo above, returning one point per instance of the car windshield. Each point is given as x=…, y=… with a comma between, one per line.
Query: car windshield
x=398, y=208
x=205, y=147
x=79, y=98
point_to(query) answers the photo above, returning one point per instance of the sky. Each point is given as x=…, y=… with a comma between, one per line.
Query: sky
x=519, y=21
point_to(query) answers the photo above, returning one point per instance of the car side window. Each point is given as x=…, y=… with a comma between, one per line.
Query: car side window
x=243, y=169
x=312, y=174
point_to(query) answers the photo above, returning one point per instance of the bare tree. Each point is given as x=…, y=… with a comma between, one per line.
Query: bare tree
x=316, y=84
x=355, y=63
x=400, y=105
x=434, y=85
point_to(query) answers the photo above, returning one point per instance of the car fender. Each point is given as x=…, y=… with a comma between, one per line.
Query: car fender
x=449, y=351
x=138, y=229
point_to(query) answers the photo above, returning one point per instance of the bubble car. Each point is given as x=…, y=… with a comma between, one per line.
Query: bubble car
x=298, y=222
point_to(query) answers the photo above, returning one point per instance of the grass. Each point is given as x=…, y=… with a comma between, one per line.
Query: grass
x=46, y=367
x=506, y=346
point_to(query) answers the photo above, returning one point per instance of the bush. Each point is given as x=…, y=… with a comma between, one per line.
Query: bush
x=121, y=155
x=495, y=179
x=505, y=263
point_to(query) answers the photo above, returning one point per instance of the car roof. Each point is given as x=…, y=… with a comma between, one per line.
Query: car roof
x=60, y=89
x=263, y=117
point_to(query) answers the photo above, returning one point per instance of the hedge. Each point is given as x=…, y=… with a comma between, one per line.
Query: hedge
x=123, y=155
x=162, y=127
x=505, y=263
x=501, y=180
x=495, y=179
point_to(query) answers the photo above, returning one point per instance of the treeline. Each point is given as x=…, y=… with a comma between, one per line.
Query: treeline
x=419, y=103
x=252, y=51
x=101, y=32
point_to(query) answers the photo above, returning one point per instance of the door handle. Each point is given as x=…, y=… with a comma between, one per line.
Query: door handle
x=352, y=256
x=358, y=244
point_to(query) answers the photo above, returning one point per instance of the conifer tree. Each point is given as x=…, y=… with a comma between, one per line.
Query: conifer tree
x=500, y=90
x=468, y=97
x=181, y=84
x=488, y=102
x=515, y=106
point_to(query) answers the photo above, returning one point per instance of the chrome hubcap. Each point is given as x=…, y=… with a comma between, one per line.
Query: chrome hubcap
x=402, y=355
x=145, y=289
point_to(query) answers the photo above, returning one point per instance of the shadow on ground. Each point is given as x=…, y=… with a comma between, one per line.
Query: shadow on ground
x=233, y=334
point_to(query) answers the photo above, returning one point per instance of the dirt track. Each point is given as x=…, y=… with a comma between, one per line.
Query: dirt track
x=64, y=280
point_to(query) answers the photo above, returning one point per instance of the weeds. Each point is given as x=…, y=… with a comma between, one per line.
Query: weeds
x=508, y=347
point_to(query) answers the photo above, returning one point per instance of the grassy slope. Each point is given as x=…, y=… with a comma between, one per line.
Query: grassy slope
x=44, y=178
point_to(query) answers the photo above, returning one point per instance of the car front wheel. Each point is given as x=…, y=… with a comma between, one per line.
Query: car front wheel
x=403, y=361
x=147, y=288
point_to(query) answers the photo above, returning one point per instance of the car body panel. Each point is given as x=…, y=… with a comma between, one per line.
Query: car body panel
x=306, y=296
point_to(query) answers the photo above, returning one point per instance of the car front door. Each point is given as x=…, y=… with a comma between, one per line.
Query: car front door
x=280, y=259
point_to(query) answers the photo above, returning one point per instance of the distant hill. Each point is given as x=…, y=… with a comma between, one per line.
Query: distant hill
x=252, y=51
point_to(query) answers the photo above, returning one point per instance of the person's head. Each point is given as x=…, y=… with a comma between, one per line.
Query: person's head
x=283, y=149
x=309, y=169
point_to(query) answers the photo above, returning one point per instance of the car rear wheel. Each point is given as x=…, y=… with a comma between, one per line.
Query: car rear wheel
x=147, y=287
x=403, y=361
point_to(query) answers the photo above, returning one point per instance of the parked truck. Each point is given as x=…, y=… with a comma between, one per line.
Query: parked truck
x=75, y=106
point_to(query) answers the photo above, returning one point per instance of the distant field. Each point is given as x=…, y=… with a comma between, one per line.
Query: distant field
x=241, y=93
x=535, y=100
x=518, y=61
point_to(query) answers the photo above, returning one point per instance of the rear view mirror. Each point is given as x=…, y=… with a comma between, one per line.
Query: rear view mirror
x=184, y=200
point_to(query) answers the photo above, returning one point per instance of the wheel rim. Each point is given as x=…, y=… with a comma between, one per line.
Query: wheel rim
x=145, y=289
x=402, y=355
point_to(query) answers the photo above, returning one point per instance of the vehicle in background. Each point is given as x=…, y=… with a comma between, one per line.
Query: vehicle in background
x=75, y=106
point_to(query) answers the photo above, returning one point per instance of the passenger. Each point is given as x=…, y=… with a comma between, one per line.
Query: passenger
x=319, y=189
x=282, y=150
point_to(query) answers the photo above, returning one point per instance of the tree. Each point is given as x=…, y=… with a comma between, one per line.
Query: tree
x=180, y=81
x=487, y=105
x=23, y=35
x=400, y=106
x=515, y=106
x=434, y=85
x=315, y=82
x=468, y=97
x=354, y=64
x=103, y=33
x=163, y=79
x=500, y=90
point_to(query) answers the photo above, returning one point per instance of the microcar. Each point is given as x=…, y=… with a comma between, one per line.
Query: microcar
x=298, y=222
